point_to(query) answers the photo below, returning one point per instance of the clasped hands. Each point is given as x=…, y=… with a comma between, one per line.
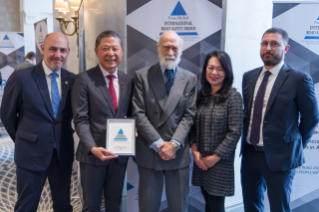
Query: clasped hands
x=205, y=162
x=167, y=150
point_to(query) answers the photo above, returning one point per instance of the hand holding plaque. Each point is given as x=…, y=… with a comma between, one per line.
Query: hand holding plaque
x=120, y=136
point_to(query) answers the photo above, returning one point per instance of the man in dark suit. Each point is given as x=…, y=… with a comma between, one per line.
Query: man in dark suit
x=29, y=61
x=97, y=94
x=36, y=112
x=273, y=140
x=164, y=106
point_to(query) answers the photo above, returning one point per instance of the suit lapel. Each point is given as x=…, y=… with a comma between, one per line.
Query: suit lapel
x=102, y=84
x=156, y=80
x=282, y=75
x=43, y=87
x=175, y=94
x=122, y=89
x=64, y=89
x=251, y=87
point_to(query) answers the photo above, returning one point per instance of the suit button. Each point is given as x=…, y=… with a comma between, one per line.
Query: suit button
x=266, y=137
x=155, y=112
x=265, y=122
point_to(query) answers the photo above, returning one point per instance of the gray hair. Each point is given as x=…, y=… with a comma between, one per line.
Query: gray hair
x=180, y=40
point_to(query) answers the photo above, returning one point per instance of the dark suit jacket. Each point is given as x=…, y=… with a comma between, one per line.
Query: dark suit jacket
x=284, y=139
x=92, y=104
x=26, y=113
x=159, y=116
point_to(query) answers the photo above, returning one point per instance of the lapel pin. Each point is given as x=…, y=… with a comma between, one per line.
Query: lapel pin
x=66, y=82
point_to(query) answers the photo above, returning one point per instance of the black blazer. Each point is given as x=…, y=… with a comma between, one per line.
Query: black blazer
x=26, y=113
x=284, y=138
x=92, y=104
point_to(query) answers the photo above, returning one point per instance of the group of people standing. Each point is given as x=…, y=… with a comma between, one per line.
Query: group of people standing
x=276, y=117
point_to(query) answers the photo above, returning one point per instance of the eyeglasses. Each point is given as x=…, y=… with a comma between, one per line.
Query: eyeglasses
x=272, y=44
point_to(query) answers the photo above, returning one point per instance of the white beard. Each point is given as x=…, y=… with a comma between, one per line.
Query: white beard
x=169, y=62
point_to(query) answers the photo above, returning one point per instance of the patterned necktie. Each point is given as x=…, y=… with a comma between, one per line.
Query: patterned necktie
x=170, y=78
x=112, y=92
x=258, y=108
x=55, y=95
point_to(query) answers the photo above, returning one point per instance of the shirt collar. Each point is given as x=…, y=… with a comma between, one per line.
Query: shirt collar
x=163, y=69
x=275, y=70
x=106, y=73
x=48, y=71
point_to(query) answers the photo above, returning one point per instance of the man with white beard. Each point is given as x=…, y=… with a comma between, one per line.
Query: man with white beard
x=164, y=106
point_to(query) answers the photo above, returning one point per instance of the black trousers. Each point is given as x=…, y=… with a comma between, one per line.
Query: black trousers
x=256, y=176
x=213, y=203
x=96, y=179
x=30, y=185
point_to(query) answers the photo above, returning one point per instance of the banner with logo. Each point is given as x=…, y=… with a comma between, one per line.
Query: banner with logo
x=301, y=21
x=199, y=24
x=41, y=30
x=11, y=55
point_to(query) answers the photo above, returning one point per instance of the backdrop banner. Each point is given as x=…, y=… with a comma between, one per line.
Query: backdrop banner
x=41, y=30
x=301, y=21
x=11, y=55
x=199, y=24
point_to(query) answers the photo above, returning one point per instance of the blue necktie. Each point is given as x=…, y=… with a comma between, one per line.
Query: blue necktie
x=258, y=109
x=170, y=78
x=55, y=97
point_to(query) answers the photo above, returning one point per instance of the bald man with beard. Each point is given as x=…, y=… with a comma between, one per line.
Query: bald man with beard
x=164, y=107
x=36, y=112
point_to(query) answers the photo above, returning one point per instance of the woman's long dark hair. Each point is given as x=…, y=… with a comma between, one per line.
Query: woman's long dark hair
x=222, y=94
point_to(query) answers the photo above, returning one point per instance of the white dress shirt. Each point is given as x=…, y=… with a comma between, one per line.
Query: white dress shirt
x=48, y=76
x=115, y=82
x=271, y=80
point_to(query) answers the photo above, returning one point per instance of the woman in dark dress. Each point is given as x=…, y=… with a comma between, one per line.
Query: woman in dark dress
x=216, y=131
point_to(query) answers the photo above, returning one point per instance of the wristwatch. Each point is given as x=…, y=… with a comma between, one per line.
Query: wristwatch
x=175, y=145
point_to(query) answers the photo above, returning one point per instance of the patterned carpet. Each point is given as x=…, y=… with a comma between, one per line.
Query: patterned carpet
x=8, y=193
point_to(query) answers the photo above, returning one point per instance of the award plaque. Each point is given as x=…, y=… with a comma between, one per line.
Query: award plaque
x=120, y=136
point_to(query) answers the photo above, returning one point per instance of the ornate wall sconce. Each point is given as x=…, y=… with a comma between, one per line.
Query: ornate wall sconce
x=63, y=7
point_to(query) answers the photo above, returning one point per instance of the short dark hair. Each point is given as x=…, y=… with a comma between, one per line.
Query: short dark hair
x=107, y=33
x=30, y=56
x=283, y=33
x=225, y=63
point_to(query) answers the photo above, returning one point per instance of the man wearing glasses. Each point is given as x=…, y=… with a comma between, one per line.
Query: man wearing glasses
x=275, y=97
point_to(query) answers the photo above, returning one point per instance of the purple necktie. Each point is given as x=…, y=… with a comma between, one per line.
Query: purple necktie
x=258, y=109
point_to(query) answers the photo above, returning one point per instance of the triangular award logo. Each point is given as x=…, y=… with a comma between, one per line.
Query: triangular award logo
x=6, y=43
x=120, y=136
x=178, y=10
